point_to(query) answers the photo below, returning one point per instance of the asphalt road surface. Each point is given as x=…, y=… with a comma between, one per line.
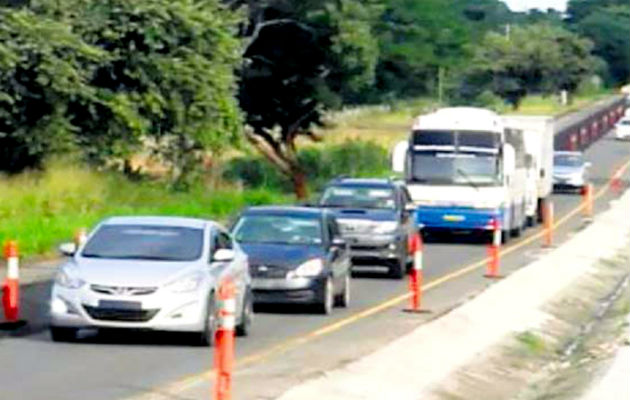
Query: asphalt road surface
x=286, y=345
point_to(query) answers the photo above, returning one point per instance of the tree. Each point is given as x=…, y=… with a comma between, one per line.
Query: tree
x=110, y=74
x=609, y=29
x=44, y=67
x=577, y=10
x=301, y=58
x=533, y=59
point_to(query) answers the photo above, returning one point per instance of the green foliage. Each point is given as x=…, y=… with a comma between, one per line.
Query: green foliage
x=577, y=10
x=356, y=158
x=533, y=59
x=109, y=74
x=42, y=70
x=609, y=29
x=45, y=208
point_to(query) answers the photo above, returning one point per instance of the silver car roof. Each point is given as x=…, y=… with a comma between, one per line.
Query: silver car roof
x=182, y=222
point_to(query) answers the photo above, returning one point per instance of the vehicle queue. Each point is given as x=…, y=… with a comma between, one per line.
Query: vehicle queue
x=462, y=168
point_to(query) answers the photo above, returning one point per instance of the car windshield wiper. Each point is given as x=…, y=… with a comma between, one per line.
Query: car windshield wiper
x=131, y=257
x=467, y=178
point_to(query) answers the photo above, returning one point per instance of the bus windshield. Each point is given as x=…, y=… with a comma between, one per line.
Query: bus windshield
x=455, y=169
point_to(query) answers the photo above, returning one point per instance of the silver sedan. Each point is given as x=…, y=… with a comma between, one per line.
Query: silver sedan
x=570, y=170
x=149, y=273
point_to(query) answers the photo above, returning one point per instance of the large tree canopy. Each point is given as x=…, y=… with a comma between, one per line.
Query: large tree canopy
x=609, y=29
x=301, y=58
x=532, y=59
x=108, y=74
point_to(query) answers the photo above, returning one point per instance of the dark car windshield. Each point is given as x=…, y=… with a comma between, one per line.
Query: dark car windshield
x=359, y=197
x=278, y=229
x=568, y=160
x=142, y=242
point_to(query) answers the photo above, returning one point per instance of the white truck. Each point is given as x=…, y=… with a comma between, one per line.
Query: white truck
x=465, y=168
x=538, y=137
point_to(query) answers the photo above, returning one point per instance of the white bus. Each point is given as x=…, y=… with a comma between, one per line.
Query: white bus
x=464, y=169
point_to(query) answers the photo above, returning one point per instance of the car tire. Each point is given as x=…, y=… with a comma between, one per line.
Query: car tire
x=325, y=306
x=206, y=336
x=343, y=300
x=397, y=269
x=247, y=315
x=59, y=334
x=532, y=221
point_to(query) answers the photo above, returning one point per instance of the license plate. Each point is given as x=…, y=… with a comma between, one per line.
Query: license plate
x=120, y=305
x=454, y=218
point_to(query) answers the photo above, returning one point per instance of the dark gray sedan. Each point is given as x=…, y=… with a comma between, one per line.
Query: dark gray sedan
x=296, y=255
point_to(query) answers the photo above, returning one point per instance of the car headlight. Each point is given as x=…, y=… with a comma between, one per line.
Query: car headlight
x=386, y=227
x=68, y=279
x=310, y=268
x=189, y=283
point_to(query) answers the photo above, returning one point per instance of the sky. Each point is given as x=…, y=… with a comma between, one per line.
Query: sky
x=523, y=5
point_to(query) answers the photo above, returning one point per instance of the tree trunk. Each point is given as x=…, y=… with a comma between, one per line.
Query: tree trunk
x=299, y=183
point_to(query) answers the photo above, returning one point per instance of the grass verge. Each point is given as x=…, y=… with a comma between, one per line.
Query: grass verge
x=42, y=209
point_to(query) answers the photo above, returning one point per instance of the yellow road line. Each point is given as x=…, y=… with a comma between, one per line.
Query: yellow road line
x=186, y=382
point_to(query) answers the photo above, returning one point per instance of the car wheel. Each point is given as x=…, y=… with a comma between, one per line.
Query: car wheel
x=397, y=269
x=343, y=300
x=531, y=221
x=58, y=334
x=247, y=315
x=206, y=336
x=325, y=306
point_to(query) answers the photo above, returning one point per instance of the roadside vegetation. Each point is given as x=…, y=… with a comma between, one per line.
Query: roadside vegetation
x=45, y=207
x=227, y=103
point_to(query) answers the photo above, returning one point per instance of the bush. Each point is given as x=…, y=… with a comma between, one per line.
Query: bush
x=321, y=163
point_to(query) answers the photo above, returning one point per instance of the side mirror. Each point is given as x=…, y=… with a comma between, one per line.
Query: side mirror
x=588, y=164
x=223, y=255
x=68, y=249
x=339, y=242
x=399, y=156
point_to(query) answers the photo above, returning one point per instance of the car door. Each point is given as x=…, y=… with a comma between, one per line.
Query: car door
x=339, y=255
x=407, y=217
x=235, y=269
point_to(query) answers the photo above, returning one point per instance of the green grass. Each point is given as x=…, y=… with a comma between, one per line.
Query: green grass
x=532, y=343
x=41, y=210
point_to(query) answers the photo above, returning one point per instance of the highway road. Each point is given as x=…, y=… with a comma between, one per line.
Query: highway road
x=286, y=345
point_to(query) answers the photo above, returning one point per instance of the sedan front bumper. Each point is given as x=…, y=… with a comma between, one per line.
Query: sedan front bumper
x=370, y=249
x=568, y=182
x=160, y=311
x=288, y=290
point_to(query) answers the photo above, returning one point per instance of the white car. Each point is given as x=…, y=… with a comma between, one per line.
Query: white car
x=149, y=273
x=622, y=129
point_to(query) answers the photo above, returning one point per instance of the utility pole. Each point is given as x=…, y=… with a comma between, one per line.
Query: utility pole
x=441, y=74
x=508, y=31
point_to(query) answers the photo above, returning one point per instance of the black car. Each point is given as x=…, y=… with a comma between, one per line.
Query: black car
x=375, y=218
x=296, y=255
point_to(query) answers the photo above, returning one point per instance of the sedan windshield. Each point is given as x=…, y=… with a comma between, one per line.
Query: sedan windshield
x=568, y=160
x=278, y=229
x=359, y=197
x=455, y=169
x=142, y=242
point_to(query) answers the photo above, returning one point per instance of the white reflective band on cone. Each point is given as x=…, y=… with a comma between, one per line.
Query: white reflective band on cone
x=13, y=271
x=228, y=306
x=227, y=322
x=417, y=260
x=496, y=237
